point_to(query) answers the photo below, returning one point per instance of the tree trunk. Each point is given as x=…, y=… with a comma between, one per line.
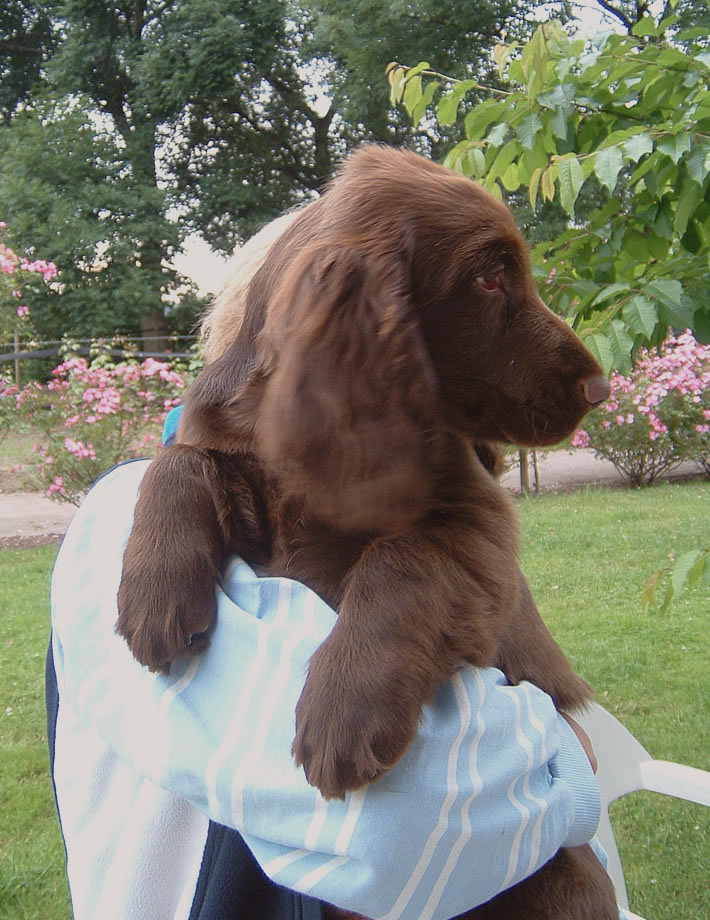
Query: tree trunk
x=524, y=472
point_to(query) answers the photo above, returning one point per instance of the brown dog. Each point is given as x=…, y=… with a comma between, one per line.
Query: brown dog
x=344, y=439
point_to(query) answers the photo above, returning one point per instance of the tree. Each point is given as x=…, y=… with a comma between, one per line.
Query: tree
x=353, y=49
x=628, y=13
x=632, y=114
x=19, y=281
x=67, y=195
x=269, y=138
x=229, y=94
x=101, y=59
x=249, y=139
x=219, y=114
x=27, y=37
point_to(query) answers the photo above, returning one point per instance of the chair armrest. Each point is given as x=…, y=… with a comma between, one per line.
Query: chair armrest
x=677, y=780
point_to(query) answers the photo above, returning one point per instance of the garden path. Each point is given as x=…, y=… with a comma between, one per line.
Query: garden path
x=29, y=517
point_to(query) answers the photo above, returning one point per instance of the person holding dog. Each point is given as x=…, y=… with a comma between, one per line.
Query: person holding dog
x=178, y=796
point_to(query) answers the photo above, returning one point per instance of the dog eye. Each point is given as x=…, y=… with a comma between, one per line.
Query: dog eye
x=492, y=281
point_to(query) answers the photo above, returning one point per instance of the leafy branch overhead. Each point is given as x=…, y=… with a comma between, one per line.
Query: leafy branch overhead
x=624, y=116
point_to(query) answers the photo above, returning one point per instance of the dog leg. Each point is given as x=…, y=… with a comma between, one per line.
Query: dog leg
x=528, y=652
x=573, y=885
x=193, y=508
x=414, y=608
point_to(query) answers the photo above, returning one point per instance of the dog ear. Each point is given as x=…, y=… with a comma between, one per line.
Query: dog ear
x=349, y=409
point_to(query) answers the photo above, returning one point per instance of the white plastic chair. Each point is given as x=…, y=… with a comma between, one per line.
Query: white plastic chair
x=625, y=766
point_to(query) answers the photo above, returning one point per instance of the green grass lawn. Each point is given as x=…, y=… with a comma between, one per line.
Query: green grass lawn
x=32, y=882
x=587, y=555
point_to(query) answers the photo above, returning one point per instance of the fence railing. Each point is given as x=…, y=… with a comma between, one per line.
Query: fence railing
x=15, y=353
x=85, y=350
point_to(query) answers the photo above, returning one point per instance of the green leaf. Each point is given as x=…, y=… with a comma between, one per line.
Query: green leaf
x=571, y=179
x=666, y=23
x=607, y=166
x=417, y=69
x=688, y=202
x=501, y=54
x=621, y=344
x=420, y=108
x=695, y=163
x=560, y=124
x=648, y=597
x=650, y=163
x=561, y=95
x=497, y=135
x=477, y=162
x=700, y=569
x=610, y=291
x=701, y=324
x=493, y=188
x=687, y=35
x=412, y=94
x=638, y=245
x=692, y=239
x=638, y=146
x=534, y=185
x=667, y=291
x=478, y=119
x=396, y=75
x=681, y=570
x=447, y=109
x=527, y=130
x=524, y=170
x=645, y=26
x=675, y=145
x=548, y=184
x=455, y=154
x=668, y=597
x=601, y=348
x=677, y=310
x=663, y=224
x=641, y=316
x=511, y=178
x=505, y=156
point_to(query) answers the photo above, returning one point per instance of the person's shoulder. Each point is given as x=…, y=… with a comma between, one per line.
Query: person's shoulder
x=105, y=516
x=128, y=471
x=120, y=485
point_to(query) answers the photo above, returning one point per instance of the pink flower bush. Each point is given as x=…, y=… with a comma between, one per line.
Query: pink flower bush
x=8, y=403
x=93, y=415
x=15, y=273
x=658, y=416
x=48, y=270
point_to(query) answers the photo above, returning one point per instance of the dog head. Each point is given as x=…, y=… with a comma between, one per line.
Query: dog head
x=398, y=307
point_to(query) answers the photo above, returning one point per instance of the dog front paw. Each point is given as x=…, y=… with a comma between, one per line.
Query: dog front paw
x=350, y=728
x=164, y=615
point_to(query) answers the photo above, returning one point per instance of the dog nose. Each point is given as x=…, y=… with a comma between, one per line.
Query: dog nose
x=596, y=389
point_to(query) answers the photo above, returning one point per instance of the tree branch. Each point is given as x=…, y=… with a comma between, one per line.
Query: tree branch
x=9, y=45
x=619, y=14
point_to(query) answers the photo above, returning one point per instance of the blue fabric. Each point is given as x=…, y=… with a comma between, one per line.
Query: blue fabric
x=494, y=783
x=170, y=425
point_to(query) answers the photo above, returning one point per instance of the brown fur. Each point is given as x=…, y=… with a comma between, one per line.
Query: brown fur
x=346, y=438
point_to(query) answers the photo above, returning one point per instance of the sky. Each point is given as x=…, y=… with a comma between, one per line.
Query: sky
x=206, y=268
